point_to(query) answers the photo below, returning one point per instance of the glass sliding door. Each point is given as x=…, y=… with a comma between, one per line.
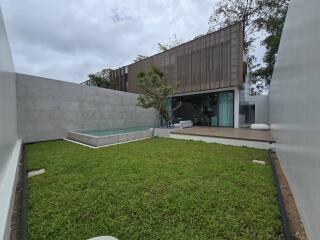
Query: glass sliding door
x=226, y=109
x=215, y=111
x=209, y=109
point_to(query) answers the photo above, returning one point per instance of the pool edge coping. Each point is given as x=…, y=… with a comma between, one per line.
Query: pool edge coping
x=108, y=145
x=113, y=135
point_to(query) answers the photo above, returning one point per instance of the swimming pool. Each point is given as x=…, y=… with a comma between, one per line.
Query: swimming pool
x=116, y=131
x=99, y=138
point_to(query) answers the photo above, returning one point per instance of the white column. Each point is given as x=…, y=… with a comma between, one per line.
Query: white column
x=236, y=107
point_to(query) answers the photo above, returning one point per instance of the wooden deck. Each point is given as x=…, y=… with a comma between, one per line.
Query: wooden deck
x=229, y=133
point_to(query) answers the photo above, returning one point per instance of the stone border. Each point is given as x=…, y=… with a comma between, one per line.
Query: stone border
x=97, y=141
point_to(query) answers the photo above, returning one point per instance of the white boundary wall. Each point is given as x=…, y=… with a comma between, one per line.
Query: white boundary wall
x=295, y=109
x=9, y=144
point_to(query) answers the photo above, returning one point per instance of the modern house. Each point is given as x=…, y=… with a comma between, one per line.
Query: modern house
x=210, y=72
x=213, y=87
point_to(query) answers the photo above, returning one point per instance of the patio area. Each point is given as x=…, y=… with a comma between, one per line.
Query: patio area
x=230, y=133
x=229, y=136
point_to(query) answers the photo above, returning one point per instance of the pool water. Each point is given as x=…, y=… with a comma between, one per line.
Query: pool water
x=116, y=131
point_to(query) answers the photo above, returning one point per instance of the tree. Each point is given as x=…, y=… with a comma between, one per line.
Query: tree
x=228, y=12
x=139, y=58
x=101, y=79
x=199, y=36
x=172, y=42
x=273, y=25
x=256, y=16
x=156, y=93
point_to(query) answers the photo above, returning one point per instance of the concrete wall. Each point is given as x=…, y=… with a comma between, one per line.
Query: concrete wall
x=9, y=145
x=261, y=109
x=295, y=108
x=261, y=102
x=48, y=109
x=8, y=123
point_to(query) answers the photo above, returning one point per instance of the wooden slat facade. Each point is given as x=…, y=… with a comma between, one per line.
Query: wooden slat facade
x=119, y=79
x=206, y=63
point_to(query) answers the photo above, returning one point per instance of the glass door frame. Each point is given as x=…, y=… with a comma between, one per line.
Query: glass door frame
x=216, y=106
x=218, y=109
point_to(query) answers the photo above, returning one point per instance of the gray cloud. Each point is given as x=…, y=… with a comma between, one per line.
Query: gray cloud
x=67, y=40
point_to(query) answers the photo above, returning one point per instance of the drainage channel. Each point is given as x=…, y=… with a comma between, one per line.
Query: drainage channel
x=284, y=217
x=24, y=207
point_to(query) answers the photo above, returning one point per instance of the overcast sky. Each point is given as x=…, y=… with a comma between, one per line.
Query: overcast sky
x=68, y=39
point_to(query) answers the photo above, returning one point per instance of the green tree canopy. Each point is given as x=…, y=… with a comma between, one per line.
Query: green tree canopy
x=101, y=79
x=139, y=58
x=228, y=12
x=156, y=92
x=273, y=25
x=172, y=42
x=256, y=16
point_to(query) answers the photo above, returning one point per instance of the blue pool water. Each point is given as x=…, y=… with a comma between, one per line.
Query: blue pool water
x=116, y=131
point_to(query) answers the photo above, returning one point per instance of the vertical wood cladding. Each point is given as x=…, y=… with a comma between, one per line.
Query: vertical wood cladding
x=209, y=62
x=118, y=79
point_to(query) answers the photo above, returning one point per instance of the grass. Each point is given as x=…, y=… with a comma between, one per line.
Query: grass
x=151, y=189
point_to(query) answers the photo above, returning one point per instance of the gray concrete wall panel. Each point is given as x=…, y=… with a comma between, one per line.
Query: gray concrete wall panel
x=48, y=109
x=295, y=109
x=9, y=146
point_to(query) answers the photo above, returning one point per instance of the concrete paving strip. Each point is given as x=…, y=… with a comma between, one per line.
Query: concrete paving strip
x=35, y=173
x=259, y=162
x=103, y=238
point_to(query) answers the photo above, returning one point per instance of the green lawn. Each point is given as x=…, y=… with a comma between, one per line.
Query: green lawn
x=151, y=189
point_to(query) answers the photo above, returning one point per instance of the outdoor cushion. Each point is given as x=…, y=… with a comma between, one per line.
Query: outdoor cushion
x=186, y=124
x=259, y=126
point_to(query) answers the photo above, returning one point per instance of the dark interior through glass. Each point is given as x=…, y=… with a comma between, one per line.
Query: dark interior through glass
x=211, y=109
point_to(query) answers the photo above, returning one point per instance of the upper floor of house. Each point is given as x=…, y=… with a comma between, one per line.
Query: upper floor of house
x=210, y=62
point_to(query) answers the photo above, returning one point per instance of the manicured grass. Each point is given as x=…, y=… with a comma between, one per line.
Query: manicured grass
x=151, y=189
